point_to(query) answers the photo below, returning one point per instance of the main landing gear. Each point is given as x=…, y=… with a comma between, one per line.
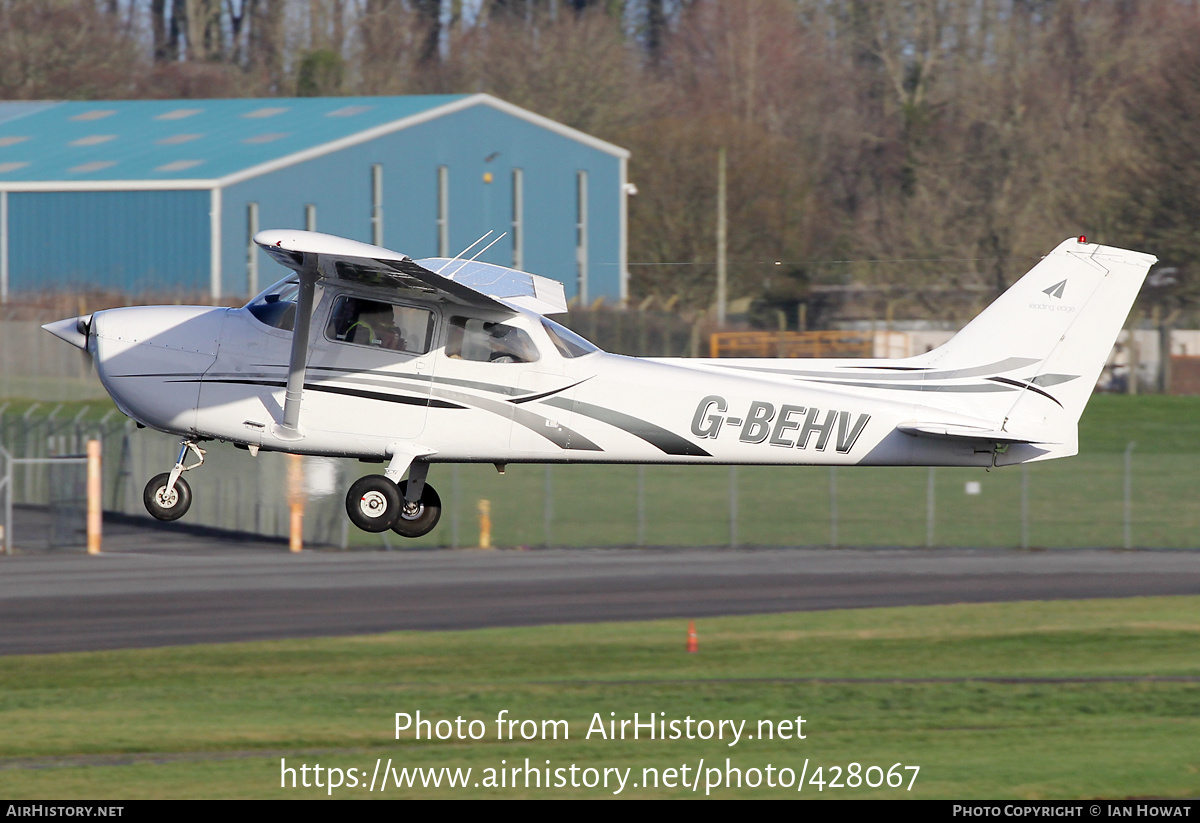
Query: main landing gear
x=410, y=508
x=375, y=503
x=168, y=496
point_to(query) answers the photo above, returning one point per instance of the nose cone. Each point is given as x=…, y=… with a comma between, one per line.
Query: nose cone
x=74, y=330
x=151, y=360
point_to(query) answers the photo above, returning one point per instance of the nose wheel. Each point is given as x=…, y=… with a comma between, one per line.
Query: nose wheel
x=168, y=496
x=376, y=504
x=165, y=502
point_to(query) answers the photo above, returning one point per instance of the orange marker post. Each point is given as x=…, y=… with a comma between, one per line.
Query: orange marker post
x=94, y=497
x=693, y=644
x=296, y=502
x=485, y=524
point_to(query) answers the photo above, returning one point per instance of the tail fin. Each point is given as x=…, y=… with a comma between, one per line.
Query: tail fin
x=1048, y=336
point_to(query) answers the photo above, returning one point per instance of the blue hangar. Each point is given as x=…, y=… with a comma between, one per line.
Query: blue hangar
x=165, y=194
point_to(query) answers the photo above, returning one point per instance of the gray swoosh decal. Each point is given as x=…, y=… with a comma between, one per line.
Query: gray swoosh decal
x=662, y=439
x=974, y=388
x=1048, y=380
x=1000, y=366
x=559, y=435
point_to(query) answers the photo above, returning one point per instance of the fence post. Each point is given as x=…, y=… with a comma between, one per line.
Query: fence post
x=929, y=509
x=548, y=507
x=833, y=509
x=733, y=508
x=6, y=483
x=1129, y=494
x=641, y=506
x=30, y=475
x=1024, y=505
x=455, y=506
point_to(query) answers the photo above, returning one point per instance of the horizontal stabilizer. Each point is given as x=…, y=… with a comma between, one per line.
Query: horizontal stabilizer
x=958, y=431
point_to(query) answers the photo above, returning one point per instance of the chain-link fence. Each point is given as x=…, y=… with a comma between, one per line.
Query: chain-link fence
x=1114, y=500
x=232, y=491
x=1104, y=500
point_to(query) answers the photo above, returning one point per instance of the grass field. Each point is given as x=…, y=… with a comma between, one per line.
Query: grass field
x=1017, y=700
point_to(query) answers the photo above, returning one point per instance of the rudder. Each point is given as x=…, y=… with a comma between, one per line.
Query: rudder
x=1048, y=336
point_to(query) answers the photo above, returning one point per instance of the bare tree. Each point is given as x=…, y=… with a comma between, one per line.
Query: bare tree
x=64, y=48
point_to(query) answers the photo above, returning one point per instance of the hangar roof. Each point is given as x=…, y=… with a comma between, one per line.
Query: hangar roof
x=50, y=145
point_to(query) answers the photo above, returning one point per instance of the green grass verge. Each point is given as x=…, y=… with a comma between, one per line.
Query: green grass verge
x=215, y=721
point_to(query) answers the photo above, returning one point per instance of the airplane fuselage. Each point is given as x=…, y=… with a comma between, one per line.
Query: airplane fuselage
x=215, y=373
x=364, y=352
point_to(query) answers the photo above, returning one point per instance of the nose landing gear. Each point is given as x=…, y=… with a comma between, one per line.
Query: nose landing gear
x=168, y=496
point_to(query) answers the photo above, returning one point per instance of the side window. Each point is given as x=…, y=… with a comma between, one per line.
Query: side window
x=484, y=342
x=381, y=325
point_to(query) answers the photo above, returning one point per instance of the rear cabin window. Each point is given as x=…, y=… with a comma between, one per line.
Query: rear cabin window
x=381, y=325
x=485, y=342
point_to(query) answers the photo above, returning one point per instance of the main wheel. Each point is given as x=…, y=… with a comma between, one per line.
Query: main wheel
x=373, y=503
x=418, y=518
x=165, y=506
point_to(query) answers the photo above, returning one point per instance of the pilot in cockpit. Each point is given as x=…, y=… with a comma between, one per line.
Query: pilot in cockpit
x=509, y=345
x=375, y=326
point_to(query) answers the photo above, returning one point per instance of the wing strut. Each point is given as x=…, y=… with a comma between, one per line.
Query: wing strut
x=299, y=360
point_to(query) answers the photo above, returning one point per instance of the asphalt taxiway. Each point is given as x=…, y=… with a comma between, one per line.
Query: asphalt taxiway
x=153, y=586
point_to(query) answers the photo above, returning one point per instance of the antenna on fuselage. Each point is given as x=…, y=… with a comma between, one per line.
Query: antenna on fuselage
x=467, y=249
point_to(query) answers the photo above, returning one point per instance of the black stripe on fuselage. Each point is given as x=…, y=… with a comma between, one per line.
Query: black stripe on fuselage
x=343, y=390
x=560, y=436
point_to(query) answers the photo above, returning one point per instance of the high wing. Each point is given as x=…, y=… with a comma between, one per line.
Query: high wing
x=317, y=257
x=466, y=282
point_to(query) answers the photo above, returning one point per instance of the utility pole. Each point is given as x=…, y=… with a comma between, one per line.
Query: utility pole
x=721, y=261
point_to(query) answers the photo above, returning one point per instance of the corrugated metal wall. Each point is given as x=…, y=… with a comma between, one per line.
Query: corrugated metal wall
x=109, y=240
x=339, y=184
x=159, y=240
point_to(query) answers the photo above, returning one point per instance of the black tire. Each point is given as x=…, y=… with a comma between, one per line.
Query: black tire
x=419, y=518
x=167, y=508
x=373, y=503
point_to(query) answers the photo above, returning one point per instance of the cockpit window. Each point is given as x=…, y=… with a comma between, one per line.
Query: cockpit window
x=484, y=342
x=277, y=305
x=384, y=325
x=568, y=343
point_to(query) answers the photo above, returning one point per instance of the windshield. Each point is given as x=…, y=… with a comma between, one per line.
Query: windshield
x=568, y=343
x=277, y=305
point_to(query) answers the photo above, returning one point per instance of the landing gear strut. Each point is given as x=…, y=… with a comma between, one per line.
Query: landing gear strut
x=168, y=496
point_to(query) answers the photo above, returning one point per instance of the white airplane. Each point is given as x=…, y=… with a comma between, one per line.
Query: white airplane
x=364, y=352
